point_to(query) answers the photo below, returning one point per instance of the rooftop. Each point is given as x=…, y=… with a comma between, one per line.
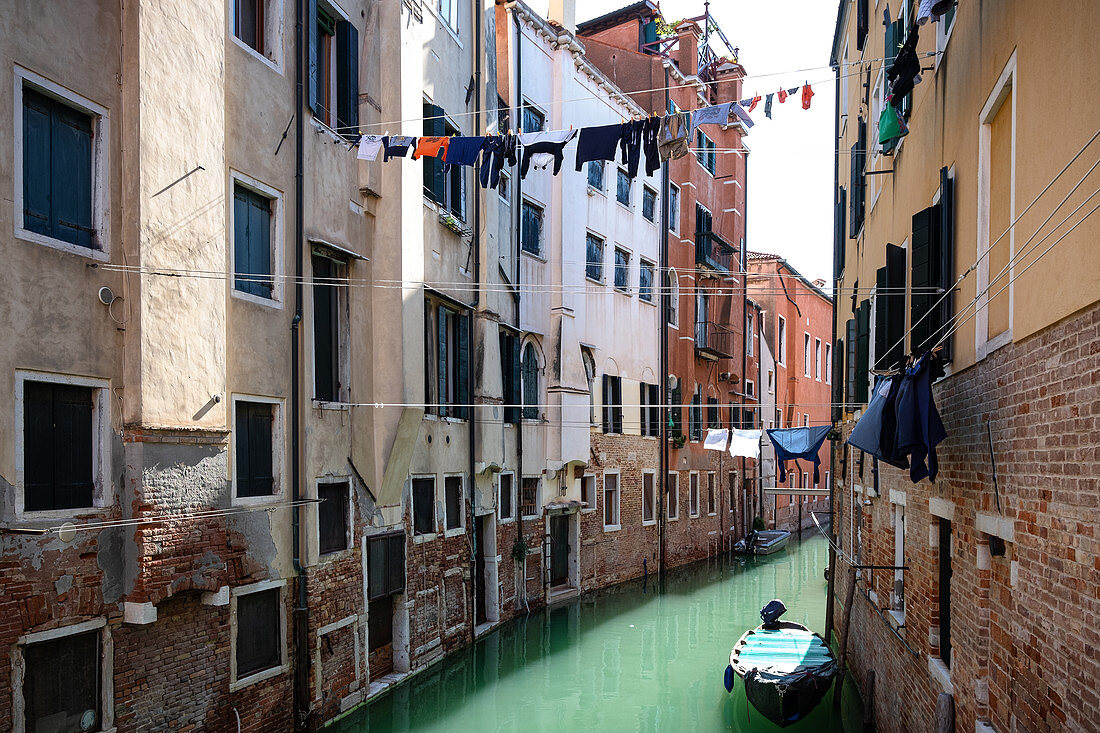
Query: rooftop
x=768, y=257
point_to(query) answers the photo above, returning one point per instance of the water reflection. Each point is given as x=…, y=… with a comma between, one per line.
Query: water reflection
x=628, y=658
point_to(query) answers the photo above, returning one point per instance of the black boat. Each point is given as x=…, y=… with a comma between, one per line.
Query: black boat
x=787, y=668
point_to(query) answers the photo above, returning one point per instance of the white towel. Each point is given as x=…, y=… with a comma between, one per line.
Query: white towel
x=716, y=439
x=745, y=443
x=369, y=147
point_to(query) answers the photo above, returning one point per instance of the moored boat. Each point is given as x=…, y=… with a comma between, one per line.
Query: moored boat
x=763, y=542
x=786, y=668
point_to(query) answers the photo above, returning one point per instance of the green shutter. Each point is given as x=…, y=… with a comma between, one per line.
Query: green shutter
x=462, y=325
x=925, y=276
x=72, y=447
x=434, y=126
x=442, y=324
x=347, y=79
x=850, y=360
x=863, y=329
x=895, y=308
x=259, y=244
x=945, y=255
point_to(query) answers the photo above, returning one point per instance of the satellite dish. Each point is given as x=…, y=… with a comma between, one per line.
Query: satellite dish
x=672, y=382
x=106, y=295
x=67, y=532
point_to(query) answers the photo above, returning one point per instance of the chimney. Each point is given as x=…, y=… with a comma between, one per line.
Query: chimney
x=819, y=283
x=564, y=13
x=687, y=55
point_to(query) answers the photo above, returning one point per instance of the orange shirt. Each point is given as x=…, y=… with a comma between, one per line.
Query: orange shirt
x=433, y=147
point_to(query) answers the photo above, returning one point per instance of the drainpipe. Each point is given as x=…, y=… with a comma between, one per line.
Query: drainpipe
x=837, y=411
x=476, y=245
x=516, y=206
x=744, y=311
x=662, y=457
x=301, y=609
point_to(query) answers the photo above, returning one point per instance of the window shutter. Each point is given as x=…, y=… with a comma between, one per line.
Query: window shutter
x=441, y=324
x=654, y=410
x=856, y=184
x=314, y=49
x=72, y=434
x=946, y=254
x=881, y=307
x=643, y=402
x=606, y=398
x=395, y=563
x=850, y=356
x=925, y=275
x=259, y=232
x=861, y=24
x=71, y=176
x=38, y=446
x=242, y=451
x=324, y=330
x=863, y=329
x=241, y=257
x=838, y=372
x=36, y=162
x=895, y=307
x=462, y=325
x=260, y=450
x=434, y=126
x=347, y=79
x=839, y=240
x=617, y=414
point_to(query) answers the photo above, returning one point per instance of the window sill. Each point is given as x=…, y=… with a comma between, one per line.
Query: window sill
x=273, y=303
x=942, y=673
x=533, y=516
x=98, y=255
x=897, y=618
x=255, y=500
x=650, y=221
x=320, y=126
x=421, y=538
x=456, y=532
x=624, y=206
x=270, y=63
x=54, y=514
x=674, y=519
x=592, y=191
x=327, y=405
x=506, y=520
x=533, y=256
x=649, y=522
x=612, y=527
x=597, y=281
x=588, y=510
x=647, y=301
x=258, y=677
x=623, y=291
x=324, y=558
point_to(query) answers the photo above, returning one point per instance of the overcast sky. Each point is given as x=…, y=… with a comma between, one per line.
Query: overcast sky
x=790, y=175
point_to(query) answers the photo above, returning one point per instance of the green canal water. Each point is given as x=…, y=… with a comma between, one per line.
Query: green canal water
x=628, y=658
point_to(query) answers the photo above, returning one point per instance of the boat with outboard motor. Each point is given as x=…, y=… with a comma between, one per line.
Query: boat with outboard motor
x=762, y=542
x=787, y=669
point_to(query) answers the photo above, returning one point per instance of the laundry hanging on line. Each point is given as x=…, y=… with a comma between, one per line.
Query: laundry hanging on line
x=716, y=439
x=794, y=443
x=745, y=443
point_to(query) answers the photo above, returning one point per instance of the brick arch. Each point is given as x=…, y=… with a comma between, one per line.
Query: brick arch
x=193, y=583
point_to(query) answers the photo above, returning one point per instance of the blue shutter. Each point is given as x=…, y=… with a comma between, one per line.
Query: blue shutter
x=314, y=50
x=434, y=126
x=36, y=162
x=260, y=450
x=347, y=79
x=241, y=454
x=71, y=176
x=462, y=326
x=259, y=244
x=241, y=258
x=38, y=443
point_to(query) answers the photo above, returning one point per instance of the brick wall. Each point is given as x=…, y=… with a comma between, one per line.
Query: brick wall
x=1022, y=625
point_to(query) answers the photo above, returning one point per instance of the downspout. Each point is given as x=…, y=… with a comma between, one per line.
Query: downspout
x=471, y=324
x=662, y=458
x=516, y=206
x=744, y=319
x=837, y=411
x=301, y=609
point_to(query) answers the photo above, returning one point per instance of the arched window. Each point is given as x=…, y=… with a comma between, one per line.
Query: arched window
x=672, y=287
x=590, y=377
x=530, y=383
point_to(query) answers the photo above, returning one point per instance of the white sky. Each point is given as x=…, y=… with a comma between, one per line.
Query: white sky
x=790, y=175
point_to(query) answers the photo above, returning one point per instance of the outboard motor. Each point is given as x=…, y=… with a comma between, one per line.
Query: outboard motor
x=770, y=613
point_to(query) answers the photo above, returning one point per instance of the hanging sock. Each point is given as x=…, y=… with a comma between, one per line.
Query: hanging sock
x=369, y=147
x=768, y=106
x=542, y=148
x=397, y=146
x=794, y=443
x=433, y=147
x=598, y=143
x=782, y=93
x=755, y=101
x=672, y=140
x=807, y=93
x=716, y=439
x=745, y=443
x=792, y=91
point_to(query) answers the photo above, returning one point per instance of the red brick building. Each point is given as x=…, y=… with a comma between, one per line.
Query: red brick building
x=796, y=320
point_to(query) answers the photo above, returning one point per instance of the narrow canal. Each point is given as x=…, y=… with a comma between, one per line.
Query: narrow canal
x=623, y=659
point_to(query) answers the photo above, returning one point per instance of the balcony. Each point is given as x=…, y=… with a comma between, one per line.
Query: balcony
x=713, y=253
x=713, y=341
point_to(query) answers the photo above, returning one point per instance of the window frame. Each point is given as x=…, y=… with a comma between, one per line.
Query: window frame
x=601, y=166
x=278, y=449
x=817, y=359
x=749, y=331
x=272, y=53
x=235, y=682
x=528, y=203
x=591, y=236
x=590, y=478
x=103, y=489
x=750, y=388
x=652, y=491
x=418, y=536
x=538, y=492
x=693, y=494
x=672, y=318
x=712, y=494
x=448, y=530
x=781, y=342
x=624, y=269
x=512, y=509
x=100, y=162
x=646, y=294
x=652, y=193
x=276, y=198
x=616, y=507
x=349, y=523
x=806, y=341
x=621, y=176
x=106, y=722
x=674, y=208
x=672, y=500
x=342, y=352
x=828, y=363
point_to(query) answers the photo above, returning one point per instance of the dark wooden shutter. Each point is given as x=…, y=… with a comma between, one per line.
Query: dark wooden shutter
x=654, y=410
x=325, y=333
x=332, y=517
x=617, y=409
x=377, y=577
x=839, y=240
x=862, y=23
x=677, y=410
x=895, y=308
x=434, y=126
x=38, y=446
x=442, y=324
x=241, y=256
x=37, y=170
x=838, y=374
x=259, y=244
x=61, y=676
x=423, y=491
x=347, y=79
x=643, y=402
x=607, y=422
x=313, y=35
x=863, y=336
x=946, y=255
x=462, y=363
x=395, y=563
x=258, y=630
x=850, y=356
x=856, y=184
x=71, y=176
x=260, y=449
x=881, y=338
x=926, y=265
x=242, y=455
x=73, y=436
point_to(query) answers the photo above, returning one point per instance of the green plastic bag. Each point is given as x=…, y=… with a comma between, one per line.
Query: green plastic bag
x=891, y=125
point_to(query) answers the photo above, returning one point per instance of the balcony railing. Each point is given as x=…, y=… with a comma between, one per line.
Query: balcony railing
x=713, y=252
x=713, y=341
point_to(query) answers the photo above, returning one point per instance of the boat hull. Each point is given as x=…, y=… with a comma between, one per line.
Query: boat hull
x=764, y=542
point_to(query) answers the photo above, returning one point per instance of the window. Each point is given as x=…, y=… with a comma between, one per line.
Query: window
x=944, y=591
x=645, y=280
x=248, y=23
x=448, y=13
x=386, y=567
x=650, y=409
x=750, y=388
x=622, y=269
x=748, y=334
x=593, y=266
x=672, y=287
x=778, y=418
x=805, y=478
x=693, y=494
x=531, y=228
x=588, y=491
x=259, y=629
x=529, y=498
x=771, y=381
x=504, y=187
x=806, y=353
x=334, y=71
x=611, y=501
x=943, y=31
x=806, y=420
x=329, y=328
x=59, y=446
x=590, y=377
x=447, y=353
x=530, y=383
x=533, y=119
x=443, y=184
x=622, y=188
x=454, y=183
x=817, y=359
x=828, y=479
x=423, y=505
x=857, y=185
x=932, y=269
x=649, y=497
x=454, y=502
x=254, y=448
x=253, y=214
x=781, y=342
x=506, y=491
x=595, y=174
x=828, y=363
x=674, y=209
x=714, y=419
x=612, y=404
x=510, y=372
x=897, y=597
x=711, y=508
x=649, y=203
x=705, y=152
x=60, y=176
x=673, y=495
x=889, y=309
x=695, y=415
x=62, y=688
x=333, y=527
x=676, y=412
